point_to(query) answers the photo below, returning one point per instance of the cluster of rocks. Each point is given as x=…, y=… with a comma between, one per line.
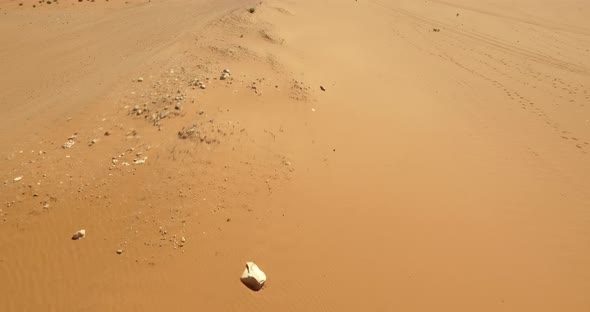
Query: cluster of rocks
x=299, y=91
x=138, y=110
x=194, y=134
x=225, y=74
x=139, y=159
x=198, y=83
x=186, y=133
x=158, y=112
x=70, y=142
x=207, y=132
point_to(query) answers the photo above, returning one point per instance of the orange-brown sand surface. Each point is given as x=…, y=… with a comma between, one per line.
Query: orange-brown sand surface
x=370, y=155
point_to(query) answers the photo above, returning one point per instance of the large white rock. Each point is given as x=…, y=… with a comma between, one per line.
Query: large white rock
x=253, y=277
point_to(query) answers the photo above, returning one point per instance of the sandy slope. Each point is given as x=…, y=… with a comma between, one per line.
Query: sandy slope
x=440, y=170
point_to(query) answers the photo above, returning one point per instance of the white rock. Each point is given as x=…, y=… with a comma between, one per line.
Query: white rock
x=18, y=178
x=139, y=161
x=69, y=143
x=225, y=74
x=140, y=79
x=79, y=234
x=253, y=277
x=119, y=251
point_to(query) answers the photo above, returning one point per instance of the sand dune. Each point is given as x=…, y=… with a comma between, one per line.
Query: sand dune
x=371, y=155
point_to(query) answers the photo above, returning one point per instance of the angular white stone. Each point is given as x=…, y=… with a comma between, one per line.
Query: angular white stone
x=253, y=277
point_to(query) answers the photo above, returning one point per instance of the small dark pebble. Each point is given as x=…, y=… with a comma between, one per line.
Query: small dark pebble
x=322, y=88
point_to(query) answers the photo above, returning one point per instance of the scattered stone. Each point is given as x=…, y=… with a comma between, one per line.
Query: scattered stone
x=137, y=110
x=79, y=234
x=107, y=133
x=253, y=277
x=185, y=133
x=115, y=161
x=140, y=161
x=225, y=74
x=132, y=133
x=322, y=88
x=92, y=142
x=436, y=29
x=119, y=251
x=177, y=106
x=182, y=239
x=140, y=79
x=70, y=142
x=18, y=178
x=198, y=83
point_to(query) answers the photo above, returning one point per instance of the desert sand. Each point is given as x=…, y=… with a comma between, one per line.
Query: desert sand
x=371, y=155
